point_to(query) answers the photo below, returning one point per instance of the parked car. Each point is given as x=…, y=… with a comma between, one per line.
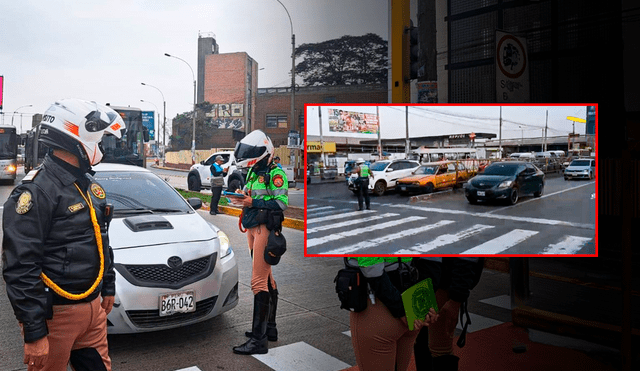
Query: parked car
x=199, y=176
x=505, y=181
x=581, y=168
x=386, y=174
x=434, y=176
x=173, y=268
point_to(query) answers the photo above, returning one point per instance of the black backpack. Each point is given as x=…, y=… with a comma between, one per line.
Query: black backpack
x=351, y=286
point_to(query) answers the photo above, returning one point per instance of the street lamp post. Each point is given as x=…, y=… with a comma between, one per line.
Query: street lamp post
x=193, y=142
x=14, y=112
x=154, y=127
x=164, y=122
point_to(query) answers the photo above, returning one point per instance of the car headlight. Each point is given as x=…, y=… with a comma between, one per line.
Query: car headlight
x=506, y=184
x=225, y=246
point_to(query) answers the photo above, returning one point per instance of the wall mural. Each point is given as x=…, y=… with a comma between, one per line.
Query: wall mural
x=227, y=116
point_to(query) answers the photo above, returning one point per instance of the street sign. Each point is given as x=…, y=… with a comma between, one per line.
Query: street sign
x=512, y=69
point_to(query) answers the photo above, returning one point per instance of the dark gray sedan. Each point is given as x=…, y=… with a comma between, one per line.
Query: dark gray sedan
x=505, y=181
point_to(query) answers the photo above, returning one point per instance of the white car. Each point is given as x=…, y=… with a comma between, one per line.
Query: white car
x=173, y=268
x=386, y=173
x=200, y=174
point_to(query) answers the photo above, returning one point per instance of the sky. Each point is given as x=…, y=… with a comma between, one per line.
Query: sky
x=103, y=50
x=517, y=121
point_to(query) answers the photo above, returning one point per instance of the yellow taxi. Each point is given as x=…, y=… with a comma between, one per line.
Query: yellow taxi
x=435, y=175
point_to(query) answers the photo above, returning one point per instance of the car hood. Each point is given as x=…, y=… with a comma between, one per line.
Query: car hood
x=185, y=228
x=578, y=168
x=415, y=178
x=489, y=179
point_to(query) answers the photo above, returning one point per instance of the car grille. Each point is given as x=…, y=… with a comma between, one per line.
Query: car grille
x=161, y=275
x=151, y=318
x=483, y=185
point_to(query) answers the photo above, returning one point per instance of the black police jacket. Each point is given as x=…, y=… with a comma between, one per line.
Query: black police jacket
x=47, y=228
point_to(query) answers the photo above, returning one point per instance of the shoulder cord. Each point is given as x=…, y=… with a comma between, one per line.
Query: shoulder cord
x=242, y=212
x=96, y=228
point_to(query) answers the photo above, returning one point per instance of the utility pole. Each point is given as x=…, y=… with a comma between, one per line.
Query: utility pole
x=321, y=139
x=500, y=135
x=379, y=139
x=408, y=144
x=545, y=131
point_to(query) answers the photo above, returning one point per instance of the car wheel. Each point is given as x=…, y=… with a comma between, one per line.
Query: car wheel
x=193, y=183
x=429, y=188
x=539, y=192
x=380, y=188
x=590, y=176
x=565, y=178
x=513, y=198
x=472, y=200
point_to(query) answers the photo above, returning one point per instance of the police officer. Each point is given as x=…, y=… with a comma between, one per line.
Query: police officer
x=58, y=266
x=380, y=336
x=266, y=192
x=217, y=182
x=276, y=160
x=362, y=182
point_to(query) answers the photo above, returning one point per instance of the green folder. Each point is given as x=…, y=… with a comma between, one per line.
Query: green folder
x=417, y=300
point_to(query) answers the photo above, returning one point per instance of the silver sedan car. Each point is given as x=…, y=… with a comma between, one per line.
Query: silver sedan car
x=173, y=268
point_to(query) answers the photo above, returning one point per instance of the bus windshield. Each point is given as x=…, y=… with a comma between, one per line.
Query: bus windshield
x=8, y=143
x=129, y=149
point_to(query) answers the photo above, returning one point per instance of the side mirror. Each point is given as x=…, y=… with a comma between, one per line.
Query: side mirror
x=202, y=162
x=389, y=169
x=195, y=202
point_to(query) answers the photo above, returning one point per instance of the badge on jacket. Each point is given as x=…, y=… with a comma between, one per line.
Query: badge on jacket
x=97, y=191
x=24, y=203
x=278, y=181
x=261, y=179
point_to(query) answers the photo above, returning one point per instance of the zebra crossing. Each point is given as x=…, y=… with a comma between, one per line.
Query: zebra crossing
x=409, y=229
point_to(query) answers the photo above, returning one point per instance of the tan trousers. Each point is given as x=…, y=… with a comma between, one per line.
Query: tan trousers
x=81, y=328
x=379, y=340
x=261, y=271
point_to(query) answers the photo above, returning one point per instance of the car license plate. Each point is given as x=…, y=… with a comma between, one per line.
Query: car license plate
x=403, y=188
x=481, y=193
x=181, y=302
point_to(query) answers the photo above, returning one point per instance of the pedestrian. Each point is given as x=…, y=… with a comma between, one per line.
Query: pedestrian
x=364, y=173
x=276, y=160
x=453, y=280
x=380, y=336
x=58, y=265
x=266, y=195
x=217, y=182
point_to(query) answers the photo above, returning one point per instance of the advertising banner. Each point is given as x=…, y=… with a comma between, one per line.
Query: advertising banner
x=427, y=91
x=512, y=69
x=149, y=123
x=343, y=121
x=1, y=89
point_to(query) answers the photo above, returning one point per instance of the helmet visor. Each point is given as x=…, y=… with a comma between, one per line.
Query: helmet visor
x=95, y=123
x=245, y=151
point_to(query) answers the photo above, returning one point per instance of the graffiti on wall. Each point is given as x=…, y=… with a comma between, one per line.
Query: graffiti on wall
x=227, y=116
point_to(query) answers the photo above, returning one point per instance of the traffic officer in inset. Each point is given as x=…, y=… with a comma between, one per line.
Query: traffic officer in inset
x=217, y=182
x=362, y=182
x=58, y=265
x=266, y=197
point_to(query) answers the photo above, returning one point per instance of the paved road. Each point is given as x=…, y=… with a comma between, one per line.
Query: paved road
x=560, y=222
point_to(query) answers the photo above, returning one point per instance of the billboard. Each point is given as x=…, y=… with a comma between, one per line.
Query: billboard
x=149, y=123
x=343, y=121
x=1, y=88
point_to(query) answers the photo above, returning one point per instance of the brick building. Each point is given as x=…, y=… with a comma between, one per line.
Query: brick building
x=273, y=109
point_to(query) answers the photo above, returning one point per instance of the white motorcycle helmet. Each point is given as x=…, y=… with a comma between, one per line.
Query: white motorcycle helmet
x=360, y=161
x=253, y=149
x=77, y=126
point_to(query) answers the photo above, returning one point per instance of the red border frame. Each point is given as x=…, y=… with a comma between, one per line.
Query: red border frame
x=451, y=105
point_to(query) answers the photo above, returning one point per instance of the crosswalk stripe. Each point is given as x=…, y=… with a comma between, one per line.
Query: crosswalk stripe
x=320, y=213
x=350, y=223
x=314, y=205
x=319, y=208
x=501, y=301
x=446, y=239
x=339, y=216
x=300, y=356
x=570, y=245
x=501, y=243
x=192, y=368
x=388, y=238
x=375, y=227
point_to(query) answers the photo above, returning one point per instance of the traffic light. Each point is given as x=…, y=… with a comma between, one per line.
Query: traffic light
x=414, y=53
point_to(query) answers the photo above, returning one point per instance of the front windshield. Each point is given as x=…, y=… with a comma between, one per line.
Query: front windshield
x=501, y=169
x=140, y=192
x=426, y=170
x=581, y=163
x=379, y=166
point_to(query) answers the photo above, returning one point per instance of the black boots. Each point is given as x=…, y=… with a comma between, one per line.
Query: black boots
x=257, y=344
x=272, y=331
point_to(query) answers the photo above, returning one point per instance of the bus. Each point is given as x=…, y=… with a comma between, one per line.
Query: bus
x=468, y=156
x=8, y=153
x=129, y=149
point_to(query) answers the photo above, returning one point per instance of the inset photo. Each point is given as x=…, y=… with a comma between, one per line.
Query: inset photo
x=451, y=180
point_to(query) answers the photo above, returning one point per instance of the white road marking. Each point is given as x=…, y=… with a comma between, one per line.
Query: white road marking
x=368, y=229
x=502, y=301
x=300, y=357
x=504, y=242
x=348, y=333
x=491, y=216
x=320, y=213
x=314, y=205
x=388, y=238
x=446, y=239
x=192, y=368
x=570, y=245
x=320, y=208
x=477, y=323
x=350, y=223
x=339, y=216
